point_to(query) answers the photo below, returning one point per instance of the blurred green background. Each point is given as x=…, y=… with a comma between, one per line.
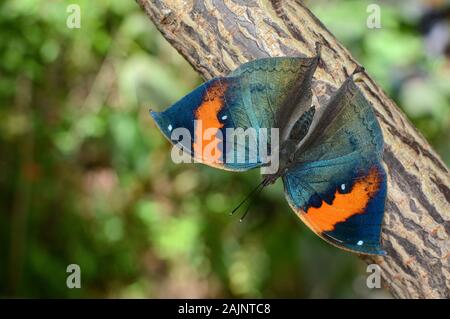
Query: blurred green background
x=86, y=177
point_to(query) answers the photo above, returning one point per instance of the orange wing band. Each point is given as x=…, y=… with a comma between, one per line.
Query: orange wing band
x=344, y=206
x=206, y=143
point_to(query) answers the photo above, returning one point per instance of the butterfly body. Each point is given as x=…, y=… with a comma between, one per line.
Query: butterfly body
x=329, y=158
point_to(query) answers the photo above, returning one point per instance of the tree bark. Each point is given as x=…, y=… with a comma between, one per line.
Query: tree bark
x=216, y=36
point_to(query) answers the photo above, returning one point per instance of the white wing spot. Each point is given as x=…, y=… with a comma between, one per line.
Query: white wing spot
x=343, y=187
x=224, y=117
x=359, y=243
x=169, y=127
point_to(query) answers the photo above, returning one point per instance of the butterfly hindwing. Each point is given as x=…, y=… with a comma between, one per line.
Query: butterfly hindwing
x=248, y=98
x=338, y=186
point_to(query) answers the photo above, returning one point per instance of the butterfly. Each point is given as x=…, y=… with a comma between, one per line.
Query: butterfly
x=330, y=157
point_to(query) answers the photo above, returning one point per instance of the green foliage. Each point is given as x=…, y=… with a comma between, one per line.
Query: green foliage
x=86, y=177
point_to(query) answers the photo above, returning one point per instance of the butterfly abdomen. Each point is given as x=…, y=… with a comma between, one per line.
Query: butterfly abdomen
x=301, y=127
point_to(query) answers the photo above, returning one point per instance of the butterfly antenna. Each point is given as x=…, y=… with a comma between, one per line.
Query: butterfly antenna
x=248, y=197
x=252, y=202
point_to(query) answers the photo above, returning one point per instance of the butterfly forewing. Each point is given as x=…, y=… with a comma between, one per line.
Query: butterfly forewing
x=249, y=98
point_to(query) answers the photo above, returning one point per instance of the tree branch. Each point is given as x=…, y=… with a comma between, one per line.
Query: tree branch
x=216, y=36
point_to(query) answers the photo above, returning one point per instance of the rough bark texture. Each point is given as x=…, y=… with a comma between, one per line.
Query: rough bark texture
x=216, y=36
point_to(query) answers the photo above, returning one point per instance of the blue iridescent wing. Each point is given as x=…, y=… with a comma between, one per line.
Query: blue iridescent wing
x=247, y=99
x=338, y=185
